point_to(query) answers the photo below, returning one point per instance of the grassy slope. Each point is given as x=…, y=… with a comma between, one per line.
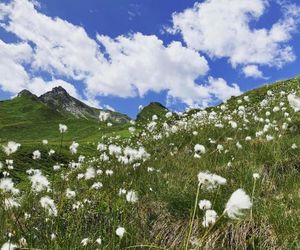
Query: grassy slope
x=27, y=120
x=162, y=215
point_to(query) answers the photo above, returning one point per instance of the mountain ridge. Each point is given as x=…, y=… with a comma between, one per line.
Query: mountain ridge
x=60, y=100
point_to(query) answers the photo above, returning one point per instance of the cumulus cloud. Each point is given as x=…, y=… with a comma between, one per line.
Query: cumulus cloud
x=125, y=66
x=13, y=75
x=222, y=28
x=253, y=71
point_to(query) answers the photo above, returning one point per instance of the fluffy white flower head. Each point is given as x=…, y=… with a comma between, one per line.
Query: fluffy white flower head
x=238, y=201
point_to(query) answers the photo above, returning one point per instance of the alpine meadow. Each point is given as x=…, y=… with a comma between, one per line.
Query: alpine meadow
x=145, y=125
x=219, y=178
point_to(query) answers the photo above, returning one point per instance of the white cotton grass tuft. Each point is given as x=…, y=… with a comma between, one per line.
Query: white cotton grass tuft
x=238, y=201
x=62, y=128
x=256, y=176
x=209, y=218
x=73, y=148
x=131, y=196
x=294, y=101
x=11, y=147
x=99, y=241
x=210, y=181
x=199, y=149
x=48, y=204
x=36, y=155
x=9, y=246
x=38, y=181
x=7, y=185
x=45, y=142
x=11, y=203
x=85, y=241
x=204, y=204
x=120, y=232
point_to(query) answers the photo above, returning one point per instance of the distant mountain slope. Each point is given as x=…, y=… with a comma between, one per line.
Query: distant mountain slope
x=28, y=117
x=59, y=99
x=154, y=108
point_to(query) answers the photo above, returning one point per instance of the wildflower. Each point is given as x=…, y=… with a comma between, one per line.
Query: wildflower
x=11, y=203
x=23, y=242
x=36, y=155
x=85, y=241
x=47, y=203
x=99, y=241
x=209, y=218
x=9, y=246
x=233, y=124
x=90, y=173
x=56, y=167
x=53, y=236
x=97, y=185
x=7, y=185
x=122, y=191
x=199, y=149
x=51, y=152
x=220, y=148
x=70, y=193
x=256, y=176
x=204, y=204
x=45, y=142
x=269, y=137
x=81, y=158
x=73, y=147
x=294, y=146
x=131, y=129
x=132, y=196
x=239, y=200
x=294, y=101
x=168, y=114
x=209, y=180
x=11, y=147
x=38, y=181
x=109, y=172
x=62, y=128
x=120, y=232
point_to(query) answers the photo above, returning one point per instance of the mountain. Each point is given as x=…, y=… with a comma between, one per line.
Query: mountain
x=59, y=99
x=28, y=117
x=154, y=108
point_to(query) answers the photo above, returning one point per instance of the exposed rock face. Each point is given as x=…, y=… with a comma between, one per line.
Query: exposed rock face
x=59, y=100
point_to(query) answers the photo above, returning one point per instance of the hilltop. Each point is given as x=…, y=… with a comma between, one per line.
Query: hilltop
x=225, y=177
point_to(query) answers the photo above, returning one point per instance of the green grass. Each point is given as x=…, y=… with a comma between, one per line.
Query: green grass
x=162, y=216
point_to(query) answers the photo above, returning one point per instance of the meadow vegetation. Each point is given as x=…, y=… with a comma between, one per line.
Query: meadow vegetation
x=226, y=177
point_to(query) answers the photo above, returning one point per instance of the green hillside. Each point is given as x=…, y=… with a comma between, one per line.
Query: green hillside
x=141, y=190
x=26, y=119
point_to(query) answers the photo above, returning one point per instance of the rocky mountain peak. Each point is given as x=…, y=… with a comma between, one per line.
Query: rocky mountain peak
x=59, y=99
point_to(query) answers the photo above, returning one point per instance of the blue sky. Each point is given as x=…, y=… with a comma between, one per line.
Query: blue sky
x=124, y=53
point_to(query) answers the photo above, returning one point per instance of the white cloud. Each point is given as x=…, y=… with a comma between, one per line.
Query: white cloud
x=13, y=76
x=253, y=71
x=38, y=87
x=125, y=66
x=223, y=28
x=219, y=88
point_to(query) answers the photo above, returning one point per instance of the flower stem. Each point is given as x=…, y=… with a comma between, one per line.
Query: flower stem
x=192, y=220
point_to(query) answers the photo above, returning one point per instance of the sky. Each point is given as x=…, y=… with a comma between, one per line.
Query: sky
x=120, y=54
